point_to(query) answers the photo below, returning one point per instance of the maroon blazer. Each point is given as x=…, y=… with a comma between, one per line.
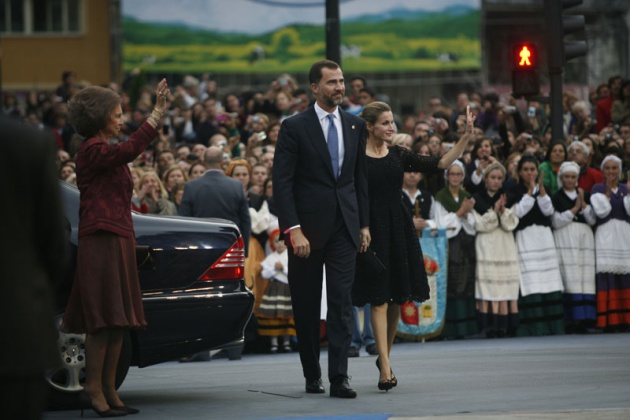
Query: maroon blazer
x=105, y=182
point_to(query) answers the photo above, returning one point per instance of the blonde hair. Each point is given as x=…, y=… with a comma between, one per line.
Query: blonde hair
x=139, y=173
x=493, y=167
x=264, y=119
x=163, y=192
x=399, y=139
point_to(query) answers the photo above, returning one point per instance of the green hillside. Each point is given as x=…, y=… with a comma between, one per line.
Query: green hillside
x=440, y=41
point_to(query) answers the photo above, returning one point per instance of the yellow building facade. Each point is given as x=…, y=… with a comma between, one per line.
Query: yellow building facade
x=41, y=40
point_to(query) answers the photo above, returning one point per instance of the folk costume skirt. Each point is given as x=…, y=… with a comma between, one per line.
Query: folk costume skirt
x=576, y=254
x=612, y=256
x=461, y=313
x=275, y=313
x=541, y=302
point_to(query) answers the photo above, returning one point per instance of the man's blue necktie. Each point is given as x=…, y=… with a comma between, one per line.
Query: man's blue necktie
x=333, y=144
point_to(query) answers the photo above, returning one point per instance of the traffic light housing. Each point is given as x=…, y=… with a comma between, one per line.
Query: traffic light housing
x=525, y=81
x=558, y=25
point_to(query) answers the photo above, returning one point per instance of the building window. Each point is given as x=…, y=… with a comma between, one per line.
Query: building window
x=28, y=17
x=11, y=16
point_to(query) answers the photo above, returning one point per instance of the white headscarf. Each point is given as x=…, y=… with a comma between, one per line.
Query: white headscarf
x=567, y=166
x=459, y=163
x=614, y=159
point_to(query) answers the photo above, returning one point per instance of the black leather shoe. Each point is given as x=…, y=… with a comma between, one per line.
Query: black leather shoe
x=353, y=352
x=315, y=386
x=341, y=389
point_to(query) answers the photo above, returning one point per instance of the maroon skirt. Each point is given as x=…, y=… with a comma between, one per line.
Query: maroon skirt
x=106, y=289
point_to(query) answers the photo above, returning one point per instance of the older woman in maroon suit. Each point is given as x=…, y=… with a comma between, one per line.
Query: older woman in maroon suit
x=105, y=298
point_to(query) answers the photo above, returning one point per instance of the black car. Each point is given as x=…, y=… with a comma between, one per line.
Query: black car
x=193, y=291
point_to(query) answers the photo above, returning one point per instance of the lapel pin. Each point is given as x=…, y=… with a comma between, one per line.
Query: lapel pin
x=353, y=127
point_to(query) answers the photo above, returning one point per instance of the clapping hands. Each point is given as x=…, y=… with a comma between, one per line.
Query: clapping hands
x=499, y=206
x=467, y=204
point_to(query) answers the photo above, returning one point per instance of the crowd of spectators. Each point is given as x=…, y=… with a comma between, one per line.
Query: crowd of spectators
x=245, y=125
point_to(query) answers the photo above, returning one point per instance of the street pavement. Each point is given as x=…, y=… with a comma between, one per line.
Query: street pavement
x=559, y=377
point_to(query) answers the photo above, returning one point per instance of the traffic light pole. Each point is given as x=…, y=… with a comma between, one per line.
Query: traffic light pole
x=555, y=80
x=553, y=12
x=333, y=38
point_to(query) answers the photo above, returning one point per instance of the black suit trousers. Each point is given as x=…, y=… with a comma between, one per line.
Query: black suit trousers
x=305, y=281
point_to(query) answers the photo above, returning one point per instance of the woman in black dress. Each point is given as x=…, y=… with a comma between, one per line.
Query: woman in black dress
x=394, y=238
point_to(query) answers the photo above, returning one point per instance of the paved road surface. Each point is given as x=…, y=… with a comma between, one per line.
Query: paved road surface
x=568, y=377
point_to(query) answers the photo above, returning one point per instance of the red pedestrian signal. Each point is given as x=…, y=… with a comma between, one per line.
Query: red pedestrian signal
x=525, y=56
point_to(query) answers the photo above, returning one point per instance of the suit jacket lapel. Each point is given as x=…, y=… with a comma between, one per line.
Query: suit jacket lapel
x=315, y=133
x=349, y=143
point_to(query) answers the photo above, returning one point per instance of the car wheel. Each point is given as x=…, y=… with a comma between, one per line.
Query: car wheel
x=67, y=381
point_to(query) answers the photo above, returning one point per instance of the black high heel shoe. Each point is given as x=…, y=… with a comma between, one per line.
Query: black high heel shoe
x=86, y=402
x=125, y=409
x=391, y=372
x=385, y=385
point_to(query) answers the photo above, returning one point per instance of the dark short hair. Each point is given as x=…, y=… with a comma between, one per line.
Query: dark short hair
x=315, y=74
x=369, y=91
x=265, y=183
x=493, y=97
x=90, y=109
x=362, y=79
x=554, y=144
x=193, y=165
x=478, y=144
x=614, y=78
x=600, y=87
x=525, y=159
x=451, y=137
x=66, y=75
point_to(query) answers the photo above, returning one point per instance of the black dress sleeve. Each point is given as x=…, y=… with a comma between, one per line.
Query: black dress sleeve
x=417, y=163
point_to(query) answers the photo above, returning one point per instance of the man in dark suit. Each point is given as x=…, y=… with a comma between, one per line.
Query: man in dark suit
x=216, y=195
x=31, y=267
x=320, y=191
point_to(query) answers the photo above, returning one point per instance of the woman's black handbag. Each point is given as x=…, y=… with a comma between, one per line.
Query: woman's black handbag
x=370, y=260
